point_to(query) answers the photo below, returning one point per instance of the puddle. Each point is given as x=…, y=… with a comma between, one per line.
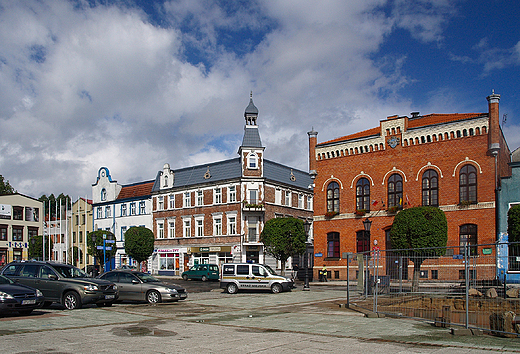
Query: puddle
x=133, y=331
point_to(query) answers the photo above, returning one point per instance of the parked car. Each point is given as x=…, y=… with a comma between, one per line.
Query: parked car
x=238, y=276
x=139, y=286
x=203, y=272
x=18, y=297
x=62, y=283
x=126, y=267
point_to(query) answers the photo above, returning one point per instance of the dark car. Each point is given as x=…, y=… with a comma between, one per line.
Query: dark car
x=203, y=272
x=18, y=297
x=62, y=283
x=139, y=286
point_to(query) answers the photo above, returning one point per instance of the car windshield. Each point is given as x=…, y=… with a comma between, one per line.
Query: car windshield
x=146, y=278
x=269, y=269
x=4, y=280
x=70, y=272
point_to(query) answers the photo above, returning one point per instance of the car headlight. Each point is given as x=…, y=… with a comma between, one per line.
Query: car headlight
x=114, y=287
x=91, y=287
x=4, y=296
x=38, y=293
x=173, y=291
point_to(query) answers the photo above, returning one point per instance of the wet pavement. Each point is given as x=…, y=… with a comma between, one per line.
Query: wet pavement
x=297, y=321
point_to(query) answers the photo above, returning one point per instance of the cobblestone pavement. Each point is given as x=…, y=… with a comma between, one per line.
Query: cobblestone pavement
x=216, y=322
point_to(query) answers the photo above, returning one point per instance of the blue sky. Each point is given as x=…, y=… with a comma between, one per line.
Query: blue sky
x=132, y=85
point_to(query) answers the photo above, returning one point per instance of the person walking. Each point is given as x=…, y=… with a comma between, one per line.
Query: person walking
x=323, y=274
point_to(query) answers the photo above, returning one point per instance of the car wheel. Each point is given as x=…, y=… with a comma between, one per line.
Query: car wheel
x=153, y=297
x=204, y=278
x=25, y=312
x=276, y=288
x=232, y=288
x=185, y=277
x=71, y=301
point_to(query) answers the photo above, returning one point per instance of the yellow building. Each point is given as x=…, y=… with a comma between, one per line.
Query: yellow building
x=80, y=221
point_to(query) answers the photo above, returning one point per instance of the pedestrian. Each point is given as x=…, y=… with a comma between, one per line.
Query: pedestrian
x=324, y=273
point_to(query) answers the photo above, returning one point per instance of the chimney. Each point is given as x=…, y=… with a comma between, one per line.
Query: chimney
x=313, y=137
x=494, y=124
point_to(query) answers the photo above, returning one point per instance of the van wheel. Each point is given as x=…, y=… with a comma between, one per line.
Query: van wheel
x=185, y=277
x=232, y=288
x=204, y=278
x=276, y=288
x=71, y=301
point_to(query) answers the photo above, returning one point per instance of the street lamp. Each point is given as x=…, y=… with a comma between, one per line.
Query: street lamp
x=307, y=227
x=367, y=223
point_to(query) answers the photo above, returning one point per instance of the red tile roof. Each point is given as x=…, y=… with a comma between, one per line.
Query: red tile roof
x=422, y=121
x=136, y=190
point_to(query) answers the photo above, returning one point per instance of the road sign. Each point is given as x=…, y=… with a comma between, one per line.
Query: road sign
x=99, y=247
x=107, y=248
x=110, y=241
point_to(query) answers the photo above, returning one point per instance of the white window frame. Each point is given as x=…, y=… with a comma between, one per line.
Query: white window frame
x=217, y=225
x=232, y=224
x=123, y=231
x=254, y=200
x=171, y=228
x=132, y=208
x=108, y=212
x=199, y=226
x=186, y=227
x=217, y=192
x=123, y=209
x=278, y=197
x=160, y=229
x=142, y=208
x=186, y=197
x=300, y=201
x=99, y=213
x=252, y=161
x=309, y=202
x=199, y=199
x=232, y=194
x=287, y=198
x=160, y=202
x=171, y=201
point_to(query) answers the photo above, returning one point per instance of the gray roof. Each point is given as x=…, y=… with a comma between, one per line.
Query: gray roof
x=251, y=108
x=232, y=169
x=251, y=137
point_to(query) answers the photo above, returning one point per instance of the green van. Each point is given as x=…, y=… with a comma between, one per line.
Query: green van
x=203, y=272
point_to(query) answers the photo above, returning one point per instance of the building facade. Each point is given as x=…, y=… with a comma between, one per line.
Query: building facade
x=117, y=207
x=20, y=219
x=450, y=161
x=80, y=225
x=214, y=213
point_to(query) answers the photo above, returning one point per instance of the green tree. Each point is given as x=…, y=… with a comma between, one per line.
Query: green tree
x=36, y=249
x=284, y=237
x=139, y=243
x=419, y=233
x=51, y=204
x=92, y=245
x=513, y=223
x=5, y=187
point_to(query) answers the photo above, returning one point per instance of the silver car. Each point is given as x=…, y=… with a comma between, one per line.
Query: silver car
x=138, y=286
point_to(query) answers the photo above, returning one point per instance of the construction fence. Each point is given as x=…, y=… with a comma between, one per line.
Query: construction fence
x=457, y=286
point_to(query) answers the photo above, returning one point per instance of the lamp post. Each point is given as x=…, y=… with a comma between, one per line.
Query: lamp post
x=367, y=223
x=307, y=227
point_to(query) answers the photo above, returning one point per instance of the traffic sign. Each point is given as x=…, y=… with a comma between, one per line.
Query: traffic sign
x=110, y=241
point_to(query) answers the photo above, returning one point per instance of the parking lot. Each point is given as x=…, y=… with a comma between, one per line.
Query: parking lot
x=247, y=322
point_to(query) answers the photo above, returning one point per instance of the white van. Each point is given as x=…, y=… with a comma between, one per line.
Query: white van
x=235, y=276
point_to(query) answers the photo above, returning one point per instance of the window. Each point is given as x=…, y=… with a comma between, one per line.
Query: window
x=187, y=228
x=132, y=208
x=363, y=194
x=232, y=194
x=81, y=237
x=17, y=233
x=333, y=197
x=17, y=213
x=232, y=225
x=108, y=212
x=218, y=195
x=225, y=257
x=77, y=220
x=252, y=161
x=103, y=194
x=333, y=245
x=160, y=202
x=32, y=214
x=83, y=219
x=200, y=199
x=165, y=181
x=395, y=190
x=217, y=226
x=468, y=184
x=123, y=209
x=252, y=229
x=468, y=237
x=287, y=198
x=187, y=199
x=278, y=197
x=123, y=231
x=300, y=201
x=142, y=208
x=199, y=227
x=253, y=196
x=160, y=229
x=32, y=232
x=3, y=232
x=171, y=229
x=362, y=241
x=309, y=202
x=171, y=200
x=430, y=188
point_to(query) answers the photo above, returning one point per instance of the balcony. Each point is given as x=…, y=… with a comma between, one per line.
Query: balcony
x=253, y=205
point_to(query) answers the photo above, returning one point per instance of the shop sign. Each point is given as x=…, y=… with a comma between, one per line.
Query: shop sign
x=487, y=251
x=172, y=250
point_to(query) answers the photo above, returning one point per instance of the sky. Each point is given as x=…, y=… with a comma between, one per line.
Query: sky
x=131, y=85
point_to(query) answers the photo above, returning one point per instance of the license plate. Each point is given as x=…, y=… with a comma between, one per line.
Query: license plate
x=184, y=295
x=28, y=302
x=108, y=297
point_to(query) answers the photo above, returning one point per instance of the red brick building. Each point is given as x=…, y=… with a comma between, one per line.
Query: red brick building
x=214, y=213
x=452, y=161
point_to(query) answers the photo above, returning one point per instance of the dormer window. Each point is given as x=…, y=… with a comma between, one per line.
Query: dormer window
x=165, y=182
x=252, y=161
x=103, y=194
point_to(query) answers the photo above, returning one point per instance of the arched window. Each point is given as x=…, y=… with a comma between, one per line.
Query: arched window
x=333, y=197
x=103, y=194
x=468, y=184
x=430, y=188
x=252, y=161
x=363, y=194
x=333, y=245
x=395, y=190
x=468, y=237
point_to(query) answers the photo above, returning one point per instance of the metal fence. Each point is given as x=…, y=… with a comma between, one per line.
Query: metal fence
x=452, y=286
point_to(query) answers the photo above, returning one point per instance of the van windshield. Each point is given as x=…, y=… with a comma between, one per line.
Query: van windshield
x=269, y=269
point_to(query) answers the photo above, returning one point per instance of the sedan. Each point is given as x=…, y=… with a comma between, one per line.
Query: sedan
x=18, y=297
x=138, y=286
